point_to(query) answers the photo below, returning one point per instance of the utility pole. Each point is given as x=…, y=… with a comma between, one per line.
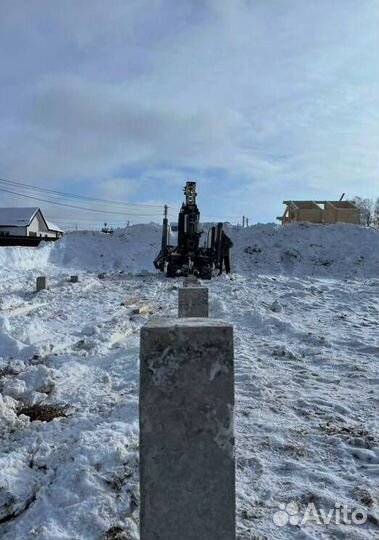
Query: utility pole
x=165, y=231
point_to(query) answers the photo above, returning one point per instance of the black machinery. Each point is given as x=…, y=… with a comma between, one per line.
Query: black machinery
x=187, y=257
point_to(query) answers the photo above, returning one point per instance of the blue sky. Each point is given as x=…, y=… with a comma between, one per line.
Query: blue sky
x=257, y=100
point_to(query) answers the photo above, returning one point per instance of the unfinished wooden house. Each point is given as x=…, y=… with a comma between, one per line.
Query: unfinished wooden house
x=320, y=212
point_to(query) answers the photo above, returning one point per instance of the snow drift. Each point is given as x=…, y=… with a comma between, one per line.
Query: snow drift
x=306, y=347
x=340, y=251
x=305, y=249
x=25, y=258
x=132, y=249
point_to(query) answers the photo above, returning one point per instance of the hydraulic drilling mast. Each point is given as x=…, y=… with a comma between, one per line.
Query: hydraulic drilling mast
x=188, y=223
x=187, y=257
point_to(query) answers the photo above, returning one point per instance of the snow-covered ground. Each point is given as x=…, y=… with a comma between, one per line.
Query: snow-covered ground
x=304, y=303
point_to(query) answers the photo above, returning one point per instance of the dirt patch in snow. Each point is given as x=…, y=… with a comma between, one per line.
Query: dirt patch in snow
x=116, y=533
x=44, y=413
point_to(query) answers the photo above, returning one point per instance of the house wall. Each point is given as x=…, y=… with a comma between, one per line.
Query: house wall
x=13, y=231
x=342, y=212
x=344, y=215
x=309, y=214
x=38, y=228
x=348, y=215
x=291, y=214
x=329, y=214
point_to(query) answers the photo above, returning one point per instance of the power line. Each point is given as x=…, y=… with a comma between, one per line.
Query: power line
x=73, y=195
x=218, y=217
x=94, y=220
x=87, y=198
x=125, y=213
x=99, y=222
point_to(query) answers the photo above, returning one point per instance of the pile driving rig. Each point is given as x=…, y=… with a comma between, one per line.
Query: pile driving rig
x=187, y=257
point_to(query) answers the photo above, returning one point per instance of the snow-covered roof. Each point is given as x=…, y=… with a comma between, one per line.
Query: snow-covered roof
x=22, y=217
x=17, y=217
x=53, y=227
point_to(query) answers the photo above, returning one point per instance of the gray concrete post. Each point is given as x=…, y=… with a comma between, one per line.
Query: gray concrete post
x=187, y=464
x=191, y=281
x=193, y=302
x=41, y=283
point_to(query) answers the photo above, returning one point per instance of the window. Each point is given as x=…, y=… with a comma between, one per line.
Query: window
x=32, y=233
x=4, y=233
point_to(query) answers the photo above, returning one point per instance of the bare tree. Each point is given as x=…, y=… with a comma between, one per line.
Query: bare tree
x=376, y=213
x=366, y=207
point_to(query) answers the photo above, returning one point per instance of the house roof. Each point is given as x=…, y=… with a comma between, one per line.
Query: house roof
x=53, y=227
x=17, y=217
x=22, y=217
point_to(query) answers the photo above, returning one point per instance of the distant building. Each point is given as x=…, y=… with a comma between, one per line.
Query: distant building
x=321, y=212
x=26, y=226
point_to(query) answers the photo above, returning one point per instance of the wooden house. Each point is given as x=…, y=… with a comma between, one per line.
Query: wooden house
x=320, y=212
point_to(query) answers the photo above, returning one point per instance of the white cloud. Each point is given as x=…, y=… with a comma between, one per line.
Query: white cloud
x=280, y=97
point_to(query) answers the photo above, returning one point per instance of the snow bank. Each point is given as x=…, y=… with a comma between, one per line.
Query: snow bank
x=132, y=249
x=299, y=249
x=25, y=258
x=305, y=249
x=335, y=251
